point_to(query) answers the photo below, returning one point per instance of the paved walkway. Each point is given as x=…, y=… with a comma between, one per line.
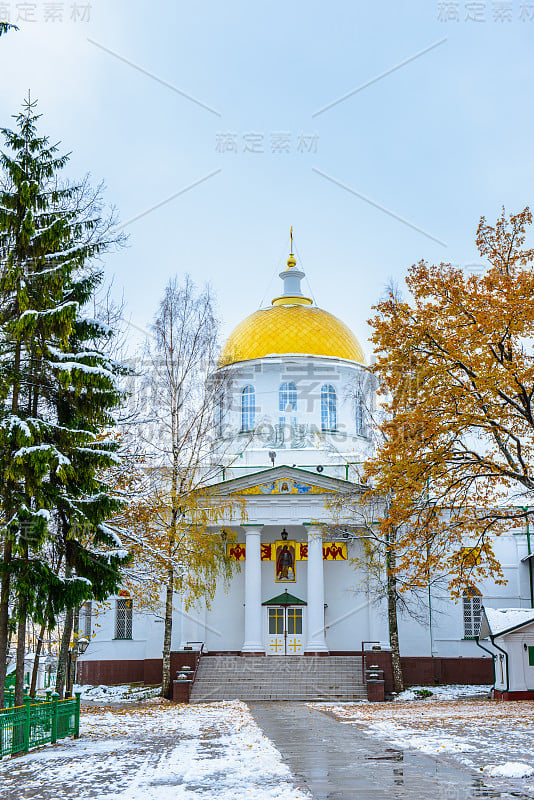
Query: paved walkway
x=336, y=761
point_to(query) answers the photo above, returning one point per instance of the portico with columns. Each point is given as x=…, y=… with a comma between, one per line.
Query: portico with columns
x=282, y=615
x=256, y=626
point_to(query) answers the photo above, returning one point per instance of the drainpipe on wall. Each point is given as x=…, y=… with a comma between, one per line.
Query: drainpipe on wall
x=530, y=567
x=493, y=657
x=530, y=575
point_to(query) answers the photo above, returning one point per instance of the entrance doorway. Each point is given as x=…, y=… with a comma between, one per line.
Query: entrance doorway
x=285, y=630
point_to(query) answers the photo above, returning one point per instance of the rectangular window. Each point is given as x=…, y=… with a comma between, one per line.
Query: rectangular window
x=276, y=620
x=294, y=620
x=123, y=619
x=472, y=604
x=531, y=656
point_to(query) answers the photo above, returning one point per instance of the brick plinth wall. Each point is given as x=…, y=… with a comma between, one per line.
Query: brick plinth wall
x=147, y=671
x=529, y=695
x=375, y=691
x=181, y=691
x=422, y=670
x=426, y=671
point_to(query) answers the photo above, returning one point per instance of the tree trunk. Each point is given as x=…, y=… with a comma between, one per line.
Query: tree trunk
x=38, y=649
x=394, y=636
x=166, y=682
x=64, y=652
x=21, y=649
x=398, y=679
x=4, y=618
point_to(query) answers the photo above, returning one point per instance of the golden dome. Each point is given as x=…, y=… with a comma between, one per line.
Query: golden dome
x=296, y=329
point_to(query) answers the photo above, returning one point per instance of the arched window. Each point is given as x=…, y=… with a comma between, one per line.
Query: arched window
x=328, y=408
x=123, y=618
x=287, y=403
x=472, y=603
x=359, y=414
x=248, y=409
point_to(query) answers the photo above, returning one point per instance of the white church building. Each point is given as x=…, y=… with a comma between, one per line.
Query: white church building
x=297, y=424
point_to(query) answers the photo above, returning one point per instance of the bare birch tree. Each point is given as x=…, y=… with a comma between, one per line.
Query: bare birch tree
x=170, y=525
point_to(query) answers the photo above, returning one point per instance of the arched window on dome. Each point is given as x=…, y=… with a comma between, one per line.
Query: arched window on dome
x=328, y=408
x=287, y=403
x=472, y=605
x=248, y=409
x=359, y=414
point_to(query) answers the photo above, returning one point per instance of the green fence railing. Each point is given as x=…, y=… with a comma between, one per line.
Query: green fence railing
x=41, y=720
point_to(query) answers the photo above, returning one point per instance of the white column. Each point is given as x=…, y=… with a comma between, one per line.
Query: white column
x=316, y=642
x=253, y=611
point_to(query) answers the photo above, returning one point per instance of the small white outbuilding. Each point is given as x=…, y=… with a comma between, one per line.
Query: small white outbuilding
x=510, y=632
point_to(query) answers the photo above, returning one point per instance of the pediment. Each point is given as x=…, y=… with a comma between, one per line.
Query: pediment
x=283, y=480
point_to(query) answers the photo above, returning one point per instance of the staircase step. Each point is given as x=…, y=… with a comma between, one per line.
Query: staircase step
x=279, y=678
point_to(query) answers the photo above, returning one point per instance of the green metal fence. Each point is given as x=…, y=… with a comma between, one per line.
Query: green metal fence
x=41, y=720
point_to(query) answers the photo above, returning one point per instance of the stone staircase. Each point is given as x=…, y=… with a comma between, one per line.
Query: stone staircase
x=327, y=678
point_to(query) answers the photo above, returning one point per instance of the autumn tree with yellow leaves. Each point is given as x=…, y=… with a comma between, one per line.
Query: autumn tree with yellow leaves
x=455, y=371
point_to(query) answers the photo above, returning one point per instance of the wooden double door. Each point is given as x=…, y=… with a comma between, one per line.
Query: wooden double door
x=285, y=630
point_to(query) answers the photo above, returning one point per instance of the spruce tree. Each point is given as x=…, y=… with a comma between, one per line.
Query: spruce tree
x=58, y=390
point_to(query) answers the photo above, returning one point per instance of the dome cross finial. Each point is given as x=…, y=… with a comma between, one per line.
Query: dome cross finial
x=291, y=261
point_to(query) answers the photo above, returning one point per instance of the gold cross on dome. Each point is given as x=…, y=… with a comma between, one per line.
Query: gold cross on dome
x=291, y=235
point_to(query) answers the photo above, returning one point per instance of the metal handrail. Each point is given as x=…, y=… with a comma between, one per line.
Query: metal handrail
x=198, y=660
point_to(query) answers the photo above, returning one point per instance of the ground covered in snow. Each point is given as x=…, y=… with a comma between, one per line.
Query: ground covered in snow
x=450, y=692
x=157, y=752
x=493, y=737
x=124, y=693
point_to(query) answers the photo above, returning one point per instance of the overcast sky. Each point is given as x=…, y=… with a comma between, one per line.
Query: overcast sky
x=239, y=122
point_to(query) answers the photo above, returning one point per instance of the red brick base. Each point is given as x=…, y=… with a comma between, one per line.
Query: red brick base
x=181, y=691
x=148, y=671
x=375, y=691
x=426, y=671
x=528, y=695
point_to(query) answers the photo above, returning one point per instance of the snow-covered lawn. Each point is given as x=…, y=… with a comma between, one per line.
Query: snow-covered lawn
x=157, y=752
x=123, y=693
x=494, y=737
x=451, y=692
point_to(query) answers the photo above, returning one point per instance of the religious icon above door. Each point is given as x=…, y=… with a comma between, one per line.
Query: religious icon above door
x=285, y=562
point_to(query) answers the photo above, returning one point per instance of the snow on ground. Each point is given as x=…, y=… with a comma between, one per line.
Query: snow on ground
x=512, y=769
x=494, y=737
x=452, y=692
x=160, y=752
x=124, y=693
